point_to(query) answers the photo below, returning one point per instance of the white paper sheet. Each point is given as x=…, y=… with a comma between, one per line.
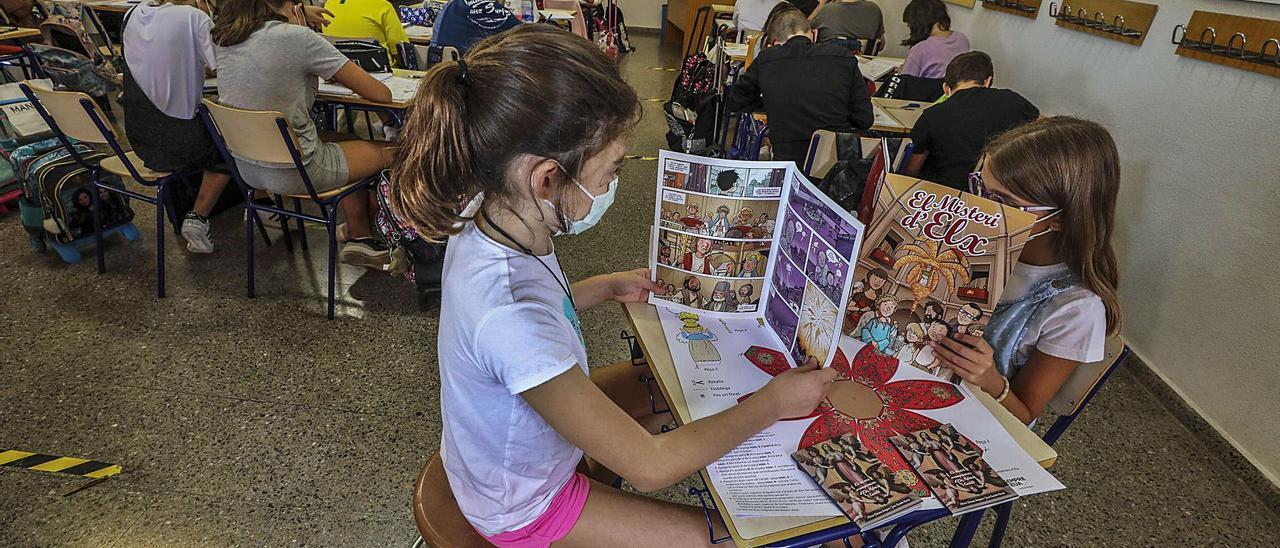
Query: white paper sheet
x=873, y=68
x=883, y=118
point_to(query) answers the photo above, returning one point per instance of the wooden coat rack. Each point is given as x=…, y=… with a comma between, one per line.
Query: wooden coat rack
x=1024, y=8
x=1236, y=41
x=1119, y=20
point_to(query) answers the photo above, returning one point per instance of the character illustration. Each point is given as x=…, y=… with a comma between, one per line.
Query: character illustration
x=864, y=297
x=727, y=182
x=879, y=329
x=967, y=318
x=752, y=265
x=926, y=263
x=718, y=226
x=698, y=338
x=722, y=299
x=745, y=294
x=692, y=221
x=914, y=334
x=691, y=295
x=695, y=260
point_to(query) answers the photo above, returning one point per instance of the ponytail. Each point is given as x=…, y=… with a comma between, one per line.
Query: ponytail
x=534, y=90
x=237, y=19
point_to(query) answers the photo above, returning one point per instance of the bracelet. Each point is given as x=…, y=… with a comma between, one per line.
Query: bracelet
x=1003, y=393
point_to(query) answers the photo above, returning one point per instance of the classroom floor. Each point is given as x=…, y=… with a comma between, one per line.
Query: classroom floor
x=258, y=422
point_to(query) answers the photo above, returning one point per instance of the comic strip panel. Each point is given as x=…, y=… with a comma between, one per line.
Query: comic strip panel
x=782, y=319
x=795, y=239
x=712, y=257
x=788, y=282
x=717, y=180
x=836, y=231
x=709, y=293
x=718, y=217
x=816, y=330
x=826, y=268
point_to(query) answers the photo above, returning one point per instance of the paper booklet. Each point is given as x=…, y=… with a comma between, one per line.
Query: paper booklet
x=934, y=264
x=857, y=481
x=953, y=467
x=733, y=325
x=756, y=242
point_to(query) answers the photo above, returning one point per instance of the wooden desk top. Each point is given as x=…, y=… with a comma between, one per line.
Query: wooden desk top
x=906, y=113
x=760, y=531
x=111, y=6
x=358, y=100
x=18, y=33
x=419, y=35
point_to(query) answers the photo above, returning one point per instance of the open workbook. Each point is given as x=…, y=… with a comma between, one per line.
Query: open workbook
x=758, y=267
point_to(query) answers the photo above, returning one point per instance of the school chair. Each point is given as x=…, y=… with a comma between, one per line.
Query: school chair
x=440, y=522
x=75, y=115
x=266, y=136
x=578, y=25
x=1079, y=390
x=752, y=44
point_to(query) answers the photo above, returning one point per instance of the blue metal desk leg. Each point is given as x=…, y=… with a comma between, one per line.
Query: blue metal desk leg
x=965, y=530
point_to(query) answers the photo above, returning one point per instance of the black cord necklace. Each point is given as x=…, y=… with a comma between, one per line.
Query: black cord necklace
x=564, y=285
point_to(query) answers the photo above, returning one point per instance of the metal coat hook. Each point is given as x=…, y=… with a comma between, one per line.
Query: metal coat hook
x=1174, y=37
x=1213, y=38
x=1081, y=19
x=1053, y=10
x=1262, y=53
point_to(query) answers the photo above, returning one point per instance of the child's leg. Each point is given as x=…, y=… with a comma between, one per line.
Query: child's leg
x=364, y=159
x=211, y=187
x=621, y=382
x=616, y=518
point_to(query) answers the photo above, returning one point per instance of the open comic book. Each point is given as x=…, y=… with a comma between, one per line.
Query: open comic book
x=732, y=327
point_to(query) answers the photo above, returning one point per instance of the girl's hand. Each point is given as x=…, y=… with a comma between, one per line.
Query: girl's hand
x=632, y=286
x=796, y=392
x=972, y=359
x=316, y=17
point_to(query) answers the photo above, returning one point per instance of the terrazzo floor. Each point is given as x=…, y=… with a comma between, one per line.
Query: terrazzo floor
x=258, y=423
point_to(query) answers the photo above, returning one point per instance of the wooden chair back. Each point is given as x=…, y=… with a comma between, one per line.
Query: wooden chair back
x=68, y=112
x=752, y=44
x=253, y=134
x=436, y=512
x=822, y=154
x=1087, y=376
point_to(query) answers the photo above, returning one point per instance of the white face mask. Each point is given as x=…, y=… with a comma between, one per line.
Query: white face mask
x=599, y=204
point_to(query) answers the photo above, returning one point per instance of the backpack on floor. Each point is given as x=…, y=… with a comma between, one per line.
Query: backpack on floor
x=76, y=72
x=749, y=138
x=606, y=28
x=692, y=130
x=63, y=189
x=419, y=260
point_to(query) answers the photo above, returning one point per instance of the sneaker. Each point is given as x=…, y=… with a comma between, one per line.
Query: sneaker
x=273, y=221
x=341, y=233
x=195, y=229
x=366, y=252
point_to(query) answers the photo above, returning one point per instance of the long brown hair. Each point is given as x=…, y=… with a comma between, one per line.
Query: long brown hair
x=237, y=19
x=533, y=90
x=920, y=15
x=1071, y=164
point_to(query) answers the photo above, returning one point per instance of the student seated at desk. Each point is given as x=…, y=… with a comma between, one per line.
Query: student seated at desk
x=803, y=87
x=933, y=44
x=1060, y=301
x=531, y=128
x=375, y=19
x=462, y=23
x=850, y=20
x=167, y=53
x=269, y=60
x=949, y=136
x=750, y=15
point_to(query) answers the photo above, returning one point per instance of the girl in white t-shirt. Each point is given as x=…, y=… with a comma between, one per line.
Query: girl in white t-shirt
x=1060, y=301
x=529, y=129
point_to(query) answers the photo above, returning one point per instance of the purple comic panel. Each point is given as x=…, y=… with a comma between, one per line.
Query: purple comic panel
x=826, y=222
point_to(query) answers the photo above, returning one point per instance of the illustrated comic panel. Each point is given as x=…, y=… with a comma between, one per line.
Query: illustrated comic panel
x=718, y=216
x=723, y=180
x=817, y=330
x=709, y=293
x=934, y=263
x=781, y=319
x=713, y=257
x=827, y=224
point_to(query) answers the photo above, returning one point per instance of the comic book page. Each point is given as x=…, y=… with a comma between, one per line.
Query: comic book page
x=811, y=273
x=857, y=481
x=934, y=264
x=953, y=467
x=715, y=222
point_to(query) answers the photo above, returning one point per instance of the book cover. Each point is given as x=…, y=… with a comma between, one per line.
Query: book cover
x=863, y=487
x=934, y=264
x=953, y=467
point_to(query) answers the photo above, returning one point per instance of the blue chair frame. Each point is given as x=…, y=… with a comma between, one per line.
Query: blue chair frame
x=95, y=169
x=328, y=205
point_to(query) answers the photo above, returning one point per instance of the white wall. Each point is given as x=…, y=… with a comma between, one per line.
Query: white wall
x=1199, y=212
x=642, y=13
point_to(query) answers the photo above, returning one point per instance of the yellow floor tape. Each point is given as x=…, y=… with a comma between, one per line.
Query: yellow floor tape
x=641, y=158
x=62, y=465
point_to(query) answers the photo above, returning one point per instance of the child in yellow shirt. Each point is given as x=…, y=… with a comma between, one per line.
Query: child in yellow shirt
x=375, y=19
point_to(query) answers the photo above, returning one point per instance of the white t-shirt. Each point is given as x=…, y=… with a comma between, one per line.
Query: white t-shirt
x=506, y=326
x=750, y=14
x=167, y=48
x=1071, y=326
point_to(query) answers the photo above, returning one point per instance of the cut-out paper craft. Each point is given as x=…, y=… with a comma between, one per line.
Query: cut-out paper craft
x=698, y=339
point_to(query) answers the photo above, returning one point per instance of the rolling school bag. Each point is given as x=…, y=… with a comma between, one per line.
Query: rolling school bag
x=420, y=261
x=63, y=190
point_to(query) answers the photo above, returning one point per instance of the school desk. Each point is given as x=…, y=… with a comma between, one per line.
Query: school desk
x=419, y=35
x=26, y=59
x=771, y=530
x=556, y=15
x=111, y=6
x=906, y=113
x=352, y=99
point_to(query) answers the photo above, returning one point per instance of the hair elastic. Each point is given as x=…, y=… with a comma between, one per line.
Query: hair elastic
x=464, y=79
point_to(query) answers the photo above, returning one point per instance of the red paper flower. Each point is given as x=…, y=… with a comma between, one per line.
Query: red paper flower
x=864, y=403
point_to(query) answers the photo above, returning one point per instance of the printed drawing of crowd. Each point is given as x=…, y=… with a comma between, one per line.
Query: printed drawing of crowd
x=721, y=223
x=869, y=317
x=709, y=257
x=725, y=295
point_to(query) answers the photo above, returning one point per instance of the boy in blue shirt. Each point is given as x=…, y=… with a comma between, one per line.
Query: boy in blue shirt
x=462, y=23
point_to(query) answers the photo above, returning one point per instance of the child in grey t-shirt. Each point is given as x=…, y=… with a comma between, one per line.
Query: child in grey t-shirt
x=859, y=19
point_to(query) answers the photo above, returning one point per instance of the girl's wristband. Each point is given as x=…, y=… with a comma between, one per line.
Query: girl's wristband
x=1003, y=393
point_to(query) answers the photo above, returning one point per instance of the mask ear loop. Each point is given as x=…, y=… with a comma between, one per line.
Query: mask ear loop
x=1047, y=230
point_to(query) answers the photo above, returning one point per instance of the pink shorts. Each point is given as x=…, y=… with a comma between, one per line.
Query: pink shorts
x=552, y=525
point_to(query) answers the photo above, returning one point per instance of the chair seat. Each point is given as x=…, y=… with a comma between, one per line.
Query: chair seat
x=326, y=194
x=114, y=165
x=440, y=522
